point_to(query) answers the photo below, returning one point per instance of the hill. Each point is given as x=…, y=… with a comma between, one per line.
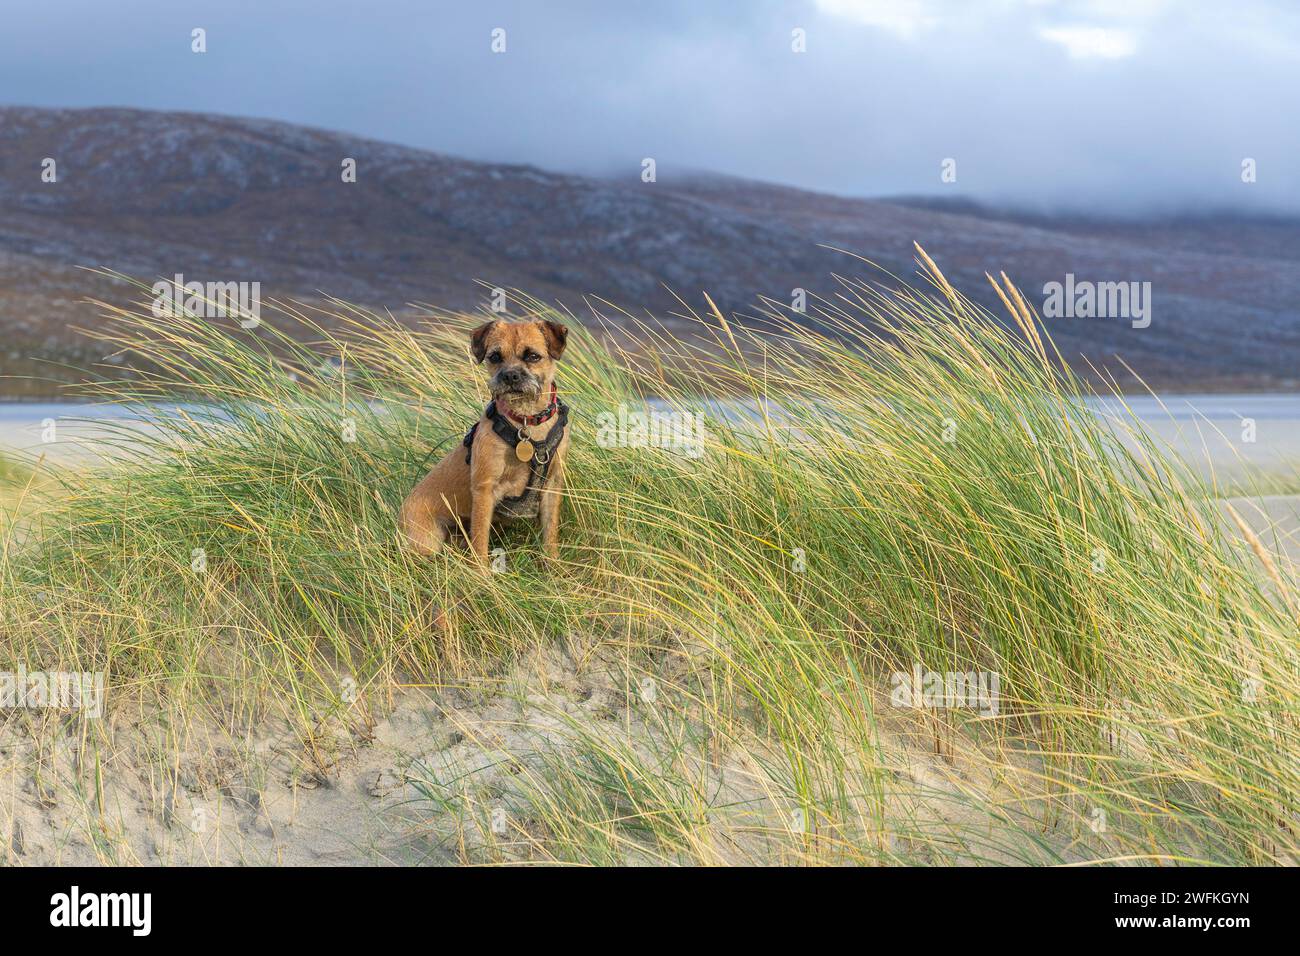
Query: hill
x=224, y=199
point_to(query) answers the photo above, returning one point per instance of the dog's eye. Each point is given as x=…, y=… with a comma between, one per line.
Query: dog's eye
x=531, y=357
x=494, y=358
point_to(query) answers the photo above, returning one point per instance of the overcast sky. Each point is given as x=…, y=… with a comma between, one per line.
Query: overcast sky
x=1095, y=104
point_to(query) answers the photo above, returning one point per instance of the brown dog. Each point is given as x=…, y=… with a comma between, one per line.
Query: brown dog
x=511, y=464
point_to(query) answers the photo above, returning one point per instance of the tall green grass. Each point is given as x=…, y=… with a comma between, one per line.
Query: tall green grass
x=13, y=472
x=917, y=482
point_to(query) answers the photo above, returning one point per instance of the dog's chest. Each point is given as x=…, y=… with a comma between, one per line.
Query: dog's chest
x=510, y=505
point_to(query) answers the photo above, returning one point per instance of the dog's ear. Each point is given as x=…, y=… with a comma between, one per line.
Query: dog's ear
x=478, y=340
x=556, y=335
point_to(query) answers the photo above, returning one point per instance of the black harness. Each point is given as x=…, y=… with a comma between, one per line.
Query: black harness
x=523, y=505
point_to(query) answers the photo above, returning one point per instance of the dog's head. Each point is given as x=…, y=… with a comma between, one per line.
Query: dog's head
x=520, y=357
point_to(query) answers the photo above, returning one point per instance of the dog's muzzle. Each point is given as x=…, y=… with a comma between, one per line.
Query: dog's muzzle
x=515, y=379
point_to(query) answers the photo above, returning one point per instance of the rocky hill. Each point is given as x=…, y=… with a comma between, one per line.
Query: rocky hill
x=221, y=199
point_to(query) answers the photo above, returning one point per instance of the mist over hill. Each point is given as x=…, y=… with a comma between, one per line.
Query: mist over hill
x=216, y=198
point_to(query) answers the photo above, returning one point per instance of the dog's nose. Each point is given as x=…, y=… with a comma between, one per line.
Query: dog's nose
x=512, y=376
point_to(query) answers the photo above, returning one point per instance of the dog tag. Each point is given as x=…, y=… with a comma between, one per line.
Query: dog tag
x=524, y=450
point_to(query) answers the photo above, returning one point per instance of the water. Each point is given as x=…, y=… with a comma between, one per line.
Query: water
x=1217, y=408
x=1230, y=434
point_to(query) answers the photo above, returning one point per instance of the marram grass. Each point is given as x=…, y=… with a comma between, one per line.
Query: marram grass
x=918, y=485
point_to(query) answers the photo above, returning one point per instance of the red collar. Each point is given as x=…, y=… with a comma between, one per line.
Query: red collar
x=527, y=420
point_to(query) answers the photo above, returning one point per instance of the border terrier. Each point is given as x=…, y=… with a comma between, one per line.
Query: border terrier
x=510, y=466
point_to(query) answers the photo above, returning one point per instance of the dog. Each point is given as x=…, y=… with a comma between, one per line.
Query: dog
x=510, y=466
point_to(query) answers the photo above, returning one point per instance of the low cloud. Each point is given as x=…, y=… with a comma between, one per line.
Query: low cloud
x=1095, y=105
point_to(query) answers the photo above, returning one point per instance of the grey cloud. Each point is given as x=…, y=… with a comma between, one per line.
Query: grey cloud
x=883, y=95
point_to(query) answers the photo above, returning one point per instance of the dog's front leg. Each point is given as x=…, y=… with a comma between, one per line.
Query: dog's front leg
x=483, y=483
x=549, y=513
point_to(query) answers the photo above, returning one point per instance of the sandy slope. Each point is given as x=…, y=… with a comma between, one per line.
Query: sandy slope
x=441, y=779
x=419, y=783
